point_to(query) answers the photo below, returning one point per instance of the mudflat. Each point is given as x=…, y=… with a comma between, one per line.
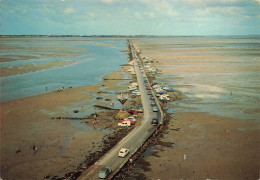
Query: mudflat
x=203, y=146
x=214, y=131
x=62, y=144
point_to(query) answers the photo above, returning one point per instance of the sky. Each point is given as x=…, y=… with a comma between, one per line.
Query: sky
x=130, y=17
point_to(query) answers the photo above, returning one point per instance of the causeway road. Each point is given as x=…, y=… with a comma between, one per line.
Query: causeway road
x=134, y=140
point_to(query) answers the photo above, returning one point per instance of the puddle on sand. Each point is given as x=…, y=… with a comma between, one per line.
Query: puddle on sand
x=170, y=110
x=242, y=129
x=203, y=133
x=86, y=128
x=149, y=151
x=47, y=112
x=102, y=88
x=192, y=126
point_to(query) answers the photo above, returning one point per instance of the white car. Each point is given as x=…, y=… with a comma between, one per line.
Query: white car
x=155, y=109
x=125, y=124
x=131, y=118
x=123, y=152
x=164, y=98
x=136, y=92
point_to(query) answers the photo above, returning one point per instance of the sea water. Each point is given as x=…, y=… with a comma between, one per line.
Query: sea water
x=92, y=59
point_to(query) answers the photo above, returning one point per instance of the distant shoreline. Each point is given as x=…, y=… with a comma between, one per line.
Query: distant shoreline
x=129, y=36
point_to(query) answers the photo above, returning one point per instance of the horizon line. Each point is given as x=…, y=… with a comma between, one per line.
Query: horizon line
x=75, y=35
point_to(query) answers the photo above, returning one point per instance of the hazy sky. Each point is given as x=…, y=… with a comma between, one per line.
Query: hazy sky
x=130, y=17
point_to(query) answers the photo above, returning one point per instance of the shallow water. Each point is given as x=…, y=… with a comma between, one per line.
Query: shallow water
x=93, y=61
x=219, y=75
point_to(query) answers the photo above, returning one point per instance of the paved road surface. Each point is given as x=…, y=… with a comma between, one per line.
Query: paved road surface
x=134, y=139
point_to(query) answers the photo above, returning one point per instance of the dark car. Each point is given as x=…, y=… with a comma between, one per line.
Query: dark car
x=149, y=92
x=133, y=95
x=154, y=83
x=163, y=100
x=153, y=103
x=104, y=172
x=139, y=109
x=154, y=121
x=152, y=98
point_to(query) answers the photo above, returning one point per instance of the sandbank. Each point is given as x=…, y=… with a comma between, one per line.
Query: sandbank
x=9, y=71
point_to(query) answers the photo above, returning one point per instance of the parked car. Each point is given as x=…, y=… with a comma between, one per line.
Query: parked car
x=131, y=121
x=125, y=123
x=152, y=98
x=139, y=109
x=168, y=89
x=148, y=88
x=154, y=121
x=149, y=92
x=163, y=100
x=123, y=152
x=155, y=109
x=104, y=172
x=136, y=92
x=132, y=111
x=131, y=118
x=160, y=91
x=154, y=83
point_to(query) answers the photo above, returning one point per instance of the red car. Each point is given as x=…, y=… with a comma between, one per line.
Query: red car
x=132, y=111
x=148, y=88
x=131, y=121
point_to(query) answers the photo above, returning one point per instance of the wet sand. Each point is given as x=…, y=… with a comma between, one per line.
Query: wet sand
x=215, y=147
x=203, y=146
x=198, y=145
x=9, y=71
x=37, y=48
x=62, y=144
x=40, y=50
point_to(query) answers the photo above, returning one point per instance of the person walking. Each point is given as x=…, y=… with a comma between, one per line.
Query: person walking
x=36, y=150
